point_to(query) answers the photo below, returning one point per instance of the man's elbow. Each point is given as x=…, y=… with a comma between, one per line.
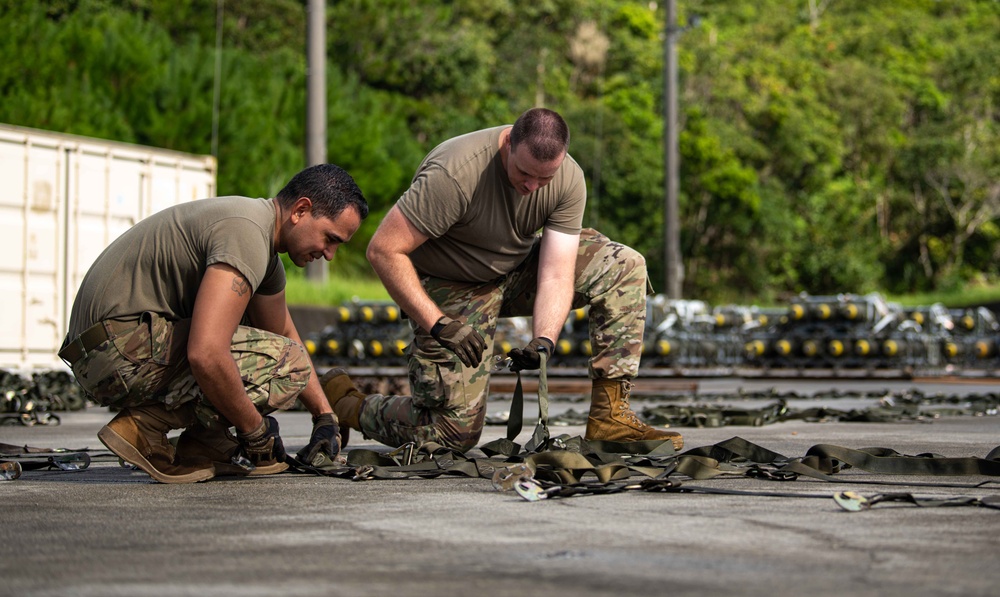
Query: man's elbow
x=375, y=255
x=201, y=357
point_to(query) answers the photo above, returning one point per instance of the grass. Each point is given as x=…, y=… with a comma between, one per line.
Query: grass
x=336, y=290
x=340, y=288
x=972, y=295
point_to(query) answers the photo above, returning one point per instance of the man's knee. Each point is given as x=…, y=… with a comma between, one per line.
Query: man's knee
x=603, y=261
x=631, y=262
x=277, y=380
x=299, y=360
x=459, y=435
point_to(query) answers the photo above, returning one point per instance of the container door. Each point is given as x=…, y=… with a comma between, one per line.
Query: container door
x=31, y=216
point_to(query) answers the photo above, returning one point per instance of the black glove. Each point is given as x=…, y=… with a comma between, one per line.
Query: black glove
x=461, y=339
x=525, y=359
x=263, y=445
x=325, y=439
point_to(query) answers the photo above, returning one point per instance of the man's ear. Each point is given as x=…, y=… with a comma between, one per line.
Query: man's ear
x=301, y=207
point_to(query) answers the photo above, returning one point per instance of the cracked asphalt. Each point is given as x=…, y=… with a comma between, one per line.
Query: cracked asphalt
x=108, y=531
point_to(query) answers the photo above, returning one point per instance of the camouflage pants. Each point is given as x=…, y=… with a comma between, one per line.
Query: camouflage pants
x=448, y=402
x=145, y=360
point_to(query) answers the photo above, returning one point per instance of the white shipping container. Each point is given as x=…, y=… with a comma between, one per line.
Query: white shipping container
x=63, y=199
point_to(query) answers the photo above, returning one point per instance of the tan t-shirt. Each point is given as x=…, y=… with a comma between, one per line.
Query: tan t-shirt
x=480, y=228
x=157, y=265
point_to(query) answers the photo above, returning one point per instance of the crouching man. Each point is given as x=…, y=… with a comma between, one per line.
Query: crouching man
x=459, y=250
x=182, y=324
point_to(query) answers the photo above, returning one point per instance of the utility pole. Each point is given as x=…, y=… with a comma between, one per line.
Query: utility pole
x=673, y=267
x=317, y=271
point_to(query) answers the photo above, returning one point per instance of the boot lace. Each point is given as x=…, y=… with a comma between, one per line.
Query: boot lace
x=625, y=409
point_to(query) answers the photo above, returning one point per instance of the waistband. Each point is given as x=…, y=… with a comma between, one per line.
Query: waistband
x=91, y=338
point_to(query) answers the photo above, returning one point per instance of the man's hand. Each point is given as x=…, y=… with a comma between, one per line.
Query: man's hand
x=461, y=339
x=325, y=439
x=263, y=445
x=527, y=358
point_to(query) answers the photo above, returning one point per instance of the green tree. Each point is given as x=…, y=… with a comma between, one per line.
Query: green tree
x=826, y=146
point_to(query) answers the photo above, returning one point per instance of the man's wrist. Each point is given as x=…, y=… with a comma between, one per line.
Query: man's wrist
x=253, y=427
x=438, y=326
x=324, y=419
x=256, y=433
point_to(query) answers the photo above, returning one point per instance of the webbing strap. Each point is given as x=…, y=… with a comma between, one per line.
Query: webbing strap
x=737, y=448
x=556, y=467
x=515, y=422
x=533, y=491
x=877, y=460
x=568, y=460
x=570, y=467
x=853, y=502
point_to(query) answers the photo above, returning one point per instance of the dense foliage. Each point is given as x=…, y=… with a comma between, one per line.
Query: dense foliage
x=826, y=145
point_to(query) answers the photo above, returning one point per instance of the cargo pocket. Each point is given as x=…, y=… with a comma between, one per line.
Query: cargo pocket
x=274, y=369
x=283, y=391
x=168, y=339
x=132, y=338
x=107, y=391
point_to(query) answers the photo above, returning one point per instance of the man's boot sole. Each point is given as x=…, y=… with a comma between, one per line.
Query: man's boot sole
x=677, y=439
x=127, y=452
x=271, y=469
x=228, y=469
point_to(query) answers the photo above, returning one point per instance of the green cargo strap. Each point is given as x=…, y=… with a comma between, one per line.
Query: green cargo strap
x=853, y=502
x=533, y=490
x=823, y=460
x=427, y=461
x=882, y=460
x=506, y=446
x=556, y=467
x=704, y=415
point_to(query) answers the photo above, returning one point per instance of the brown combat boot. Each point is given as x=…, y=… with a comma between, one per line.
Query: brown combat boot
x=219, y=446
x=345, y=399
x=612, y=419
x=138, y=435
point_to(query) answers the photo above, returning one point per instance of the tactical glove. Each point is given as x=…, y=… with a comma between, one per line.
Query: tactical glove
x=263, y=446
x=461, y=339
x=325, y=439
x=527, y=358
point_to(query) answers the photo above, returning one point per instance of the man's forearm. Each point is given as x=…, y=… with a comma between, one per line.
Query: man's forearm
x=222, y=385
x=552, y=305
x=312, y=397
x=403, y=284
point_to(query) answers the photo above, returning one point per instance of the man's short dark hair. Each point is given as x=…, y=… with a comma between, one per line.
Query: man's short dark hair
x=544, y=132
x=330, y=188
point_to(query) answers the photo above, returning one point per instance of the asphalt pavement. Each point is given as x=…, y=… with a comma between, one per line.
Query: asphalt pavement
x=108, y=531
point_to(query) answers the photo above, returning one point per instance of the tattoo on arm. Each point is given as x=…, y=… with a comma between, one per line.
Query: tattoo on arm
x=240, y=285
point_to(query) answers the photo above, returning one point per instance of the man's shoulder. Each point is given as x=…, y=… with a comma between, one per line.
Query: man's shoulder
x=228, y=207
x=471, y=148
x=571, y=169
x=226, y=201
x=569, y=183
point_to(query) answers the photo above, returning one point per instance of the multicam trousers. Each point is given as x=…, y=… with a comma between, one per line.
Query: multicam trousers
x=448, y=402
x=145, y=360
